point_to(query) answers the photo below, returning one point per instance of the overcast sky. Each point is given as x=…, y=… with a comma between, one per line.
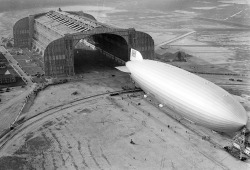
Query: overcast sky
x=7, y=5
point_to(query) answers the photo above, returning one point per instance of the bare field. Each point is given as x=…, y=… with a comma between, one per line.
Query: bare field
x=128, y=131
x=9, y=114
x=11, y=105
x=112, y=133
x=104, y=132
x=94, y=83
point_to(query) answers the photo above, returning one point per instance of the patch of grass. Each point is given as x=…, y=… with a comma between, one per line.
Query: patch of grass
x=34, y=146
x=48, y=124
x=14, y=162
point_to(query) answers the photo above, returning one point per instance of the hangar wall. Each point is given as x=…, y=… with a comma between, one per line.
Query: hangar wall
x=58, y=48
x=145, y=44
x=43, y=35
x=58, y=58
x=21, y=33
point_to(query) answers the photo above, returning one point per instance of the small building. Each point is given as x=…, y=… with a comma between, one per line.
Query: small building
x=6, y=77
x=2, y=65
x=3, y=59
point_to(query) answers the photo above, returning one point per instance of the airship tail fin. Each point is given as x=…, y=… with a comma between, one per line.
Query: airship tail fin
x=123, y=69
x=135, y=55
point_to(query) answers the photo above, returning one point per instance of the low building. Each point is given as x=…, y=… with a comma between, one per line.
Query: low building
x=2, y=65
x=3, y=59
x=6, y=77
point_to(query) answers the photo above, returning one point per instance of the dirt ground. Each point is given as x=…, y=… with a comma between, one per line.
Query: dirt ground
x=104, y=132
x=11, y=104
x=111, y=133
x=128, y=131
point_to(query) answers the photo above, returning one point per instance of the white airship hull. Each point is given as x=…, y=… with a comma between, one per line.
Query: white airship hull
x=191, y=96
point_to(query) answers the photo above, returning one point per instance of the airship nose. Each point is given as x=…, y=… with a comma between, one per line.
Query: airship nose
x=243, y=120
x=243, y=117
x=230, y=120
x=239, y=120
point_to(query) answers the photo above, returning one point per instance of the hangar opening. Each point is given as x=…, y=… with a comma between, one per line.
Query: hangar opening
x=100, y=51
x=55, y=34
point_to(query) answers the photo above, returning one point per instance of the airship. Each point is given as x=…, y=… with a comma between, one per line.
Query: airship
x=192, y=97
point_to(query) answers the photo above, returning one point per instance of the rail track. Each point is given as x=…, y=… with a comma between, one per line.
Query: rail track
x=10, y=134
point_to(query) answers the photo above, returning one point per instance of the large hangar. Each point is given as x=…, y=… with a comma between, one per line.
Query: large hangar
x=55, y=35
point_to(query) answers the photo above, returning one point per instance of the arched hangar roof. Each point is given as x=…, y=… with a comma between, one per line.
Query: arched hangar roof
x=56, y=33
